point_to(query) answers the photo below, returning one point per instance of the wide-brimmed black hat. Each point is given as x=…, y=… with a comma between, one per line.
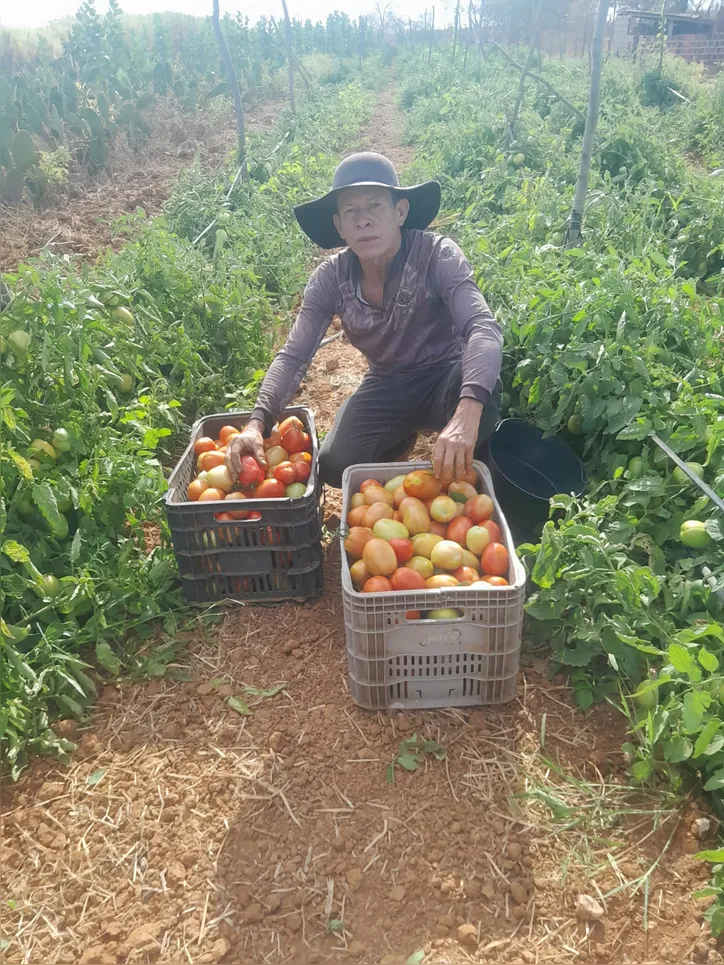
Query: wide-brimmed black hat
x=365, y=170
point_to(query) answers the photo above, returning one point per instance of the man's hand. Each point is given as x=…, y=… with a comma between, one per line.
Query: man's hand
x=453, y=452
x=249, y=443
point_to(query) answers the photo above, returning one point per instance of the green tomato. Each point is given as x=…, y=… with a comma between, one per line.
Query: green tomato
x=3, y=345
x=126, y=383
x=682, y=479
x=65, y=503
x=295, y=490
x=61, y=440
x=19, y=342
x=694, y=535
x=445, y=613
x=25, y=506
x=60, y=530
x=575, y=424
x=42, y=451
x=122, y=314
x=645, y=696
x=636, y=467
x=50, y=586
x=519, y=159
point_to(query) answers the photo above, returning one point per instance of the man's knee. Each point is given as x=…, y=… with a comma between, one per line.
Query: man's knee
x=333, y=460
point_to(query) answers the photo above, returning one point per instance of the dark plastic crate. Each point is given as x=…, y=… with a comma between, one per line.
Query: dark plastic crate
x=270, y=560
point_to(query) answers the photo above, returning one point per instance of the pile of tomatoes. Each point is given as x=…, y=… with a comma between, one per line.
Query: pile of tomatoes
x=416, y=533
x=288, y=452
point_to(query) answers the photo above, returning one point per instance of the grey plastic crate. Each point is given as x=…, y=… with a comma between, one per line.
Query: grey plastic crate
x=395, y=663
x=274, y=559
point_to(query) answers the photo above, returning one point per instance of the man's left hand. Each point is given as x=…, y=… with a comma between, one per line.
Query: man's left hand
x=453, y=452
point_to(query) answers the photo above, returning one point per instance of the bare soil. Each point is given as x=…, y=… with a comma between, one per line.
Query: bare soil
x=184, y=831
x=80, y=218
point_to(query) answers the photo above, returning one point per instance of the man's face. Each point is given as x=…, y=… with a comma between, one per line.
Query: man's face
x=369, y=220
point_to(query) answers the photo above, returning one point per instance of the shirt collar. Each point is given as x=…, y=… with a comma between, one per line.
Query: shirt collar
x=396, y=264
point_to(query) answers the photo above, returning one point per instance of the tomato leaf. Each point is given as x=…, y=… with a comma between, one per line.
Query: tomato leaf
x=237, y=704
x=22, y=464
x=44, y=499
x=3, y=515
x=715, y=855
x=264, y=692
x=95, y=777
x=16, y=551
x=681, y=659
x=706, y=742
x=695, y=703
x=107, y=658
x=642, y=770
x=708, y=660
x=677, y=750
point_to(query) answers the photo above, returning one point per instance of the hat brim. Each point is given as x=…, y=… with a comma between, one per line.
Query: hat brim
x=316, y=217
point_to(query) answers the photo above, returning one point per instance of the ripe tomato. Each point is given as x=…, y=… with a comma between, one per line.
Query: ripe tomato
x=370, y=482
x=379, y=557
x=422, y=484
x=357, y=516
x=254, y=514
x=236, y=513
x=466, y=574
x=292, y=423
x=462, y=491
x=457, y=530
x=224, y=517
x=398, y=495
x=357, y=500
x=496, y=534
x=270, y=489
x=285, y=472
x=293, y=441
x=376, y=512
x=377, y=584
x=412, y=614
x=301, y=457
x=204, y=444
x=359, y=573
x=196, y=488
x=495, y=580
x=376, y=494
x=302, y=471
x=479, y=509
x=439, y=529
x=355, y=543
x=415, y=515
x=307, y=442
x=209, y=460
x=494, y=560
x=226, y=433
x=440, y=580
x=403, y=549
x=251, y=472
x=406, y=579
x=209, y=494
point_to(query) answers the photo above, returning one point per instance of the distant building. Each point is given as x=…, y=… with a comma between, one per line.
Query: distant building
x=690, y=35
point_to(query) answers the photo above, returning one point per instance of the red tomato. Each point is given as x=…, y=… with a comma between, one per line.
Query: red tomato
x=457, y=530
x=495, y=580
x=377, y=584
x=307, y=442
x=494, y=561
x=412, y=615
x=370, y=482
x=254, y=515
x=285, y=473
x=251, y=472
x=224, y=517
x=403, y=549
x=302, y=471
x=466, y=574
x=479, y=509
x=407, y=579
x=236, y=513
x=422, y=484
x=496, y=534
x=439, y=529
x=210, y=494
x=292, y=423
x=270, y=489
x=226, y=433
x=204, y=444
x=293, y=441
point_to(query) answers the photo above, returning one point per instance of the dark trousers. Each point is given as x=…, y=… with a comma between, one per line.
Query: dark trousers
x=378, y=422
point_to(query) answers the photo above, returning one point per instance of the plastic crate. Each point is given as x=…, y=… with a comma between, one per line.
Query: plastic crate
x=395, y=663
x=275, y=559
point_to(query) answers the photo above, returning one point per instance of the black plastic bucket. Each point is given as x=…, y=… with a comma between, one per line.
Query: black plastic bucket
x=528, y=469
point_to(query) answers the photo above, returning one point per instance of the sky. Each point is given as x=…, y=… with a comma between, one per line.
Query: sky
x=37, y=13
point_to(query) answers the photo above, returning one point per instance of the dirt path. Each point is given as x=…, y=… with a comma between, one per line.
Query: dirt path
x=186, y=833
x=80, y=220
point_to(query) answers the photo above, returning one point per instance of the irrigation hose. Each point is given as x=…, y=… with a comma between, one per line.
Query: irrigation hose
x=707, y=490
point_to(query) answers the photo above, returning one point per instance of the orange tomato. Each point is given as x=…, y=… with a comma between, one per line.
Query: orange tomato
x=236, y=513
x=415, y=515
x=224, y=517
x=439, y=529
x=377, y=511
x=357, y=516
x=275, y=439
x=479, y=509
x=397, y=516
x=355, y=543
x=422, y=484
x=357, y=500
x=209, y=494
x=204, y=444
x=293, y=441
x=440, y=580
x=379, y=557
x=254, y=514
x=292, y=423
x=496, y=534
x=359, y=573
x=285, y=472
x=226, y=433
x=376, y=494
x=196, y=488
x=412, y=614
x=208, y=460
x=377, y=584
x=494, y=560
x=301, y=457
x=495, y=580
x=270, y=489
x=406, y=579
x=466, y=574
x=457, y=530
x=398, y=495
x=370, y=482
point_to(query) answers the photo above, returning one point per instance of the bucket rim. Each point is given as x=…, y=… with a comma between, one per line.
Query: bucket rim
x=556, y=440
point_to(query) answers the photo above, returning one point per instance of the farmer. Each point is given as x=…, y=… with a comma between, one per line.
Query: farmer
x=408, y=301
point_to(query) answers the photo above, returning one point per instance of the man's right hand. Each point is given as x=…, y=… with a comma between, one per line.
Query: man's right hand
x=250, y=442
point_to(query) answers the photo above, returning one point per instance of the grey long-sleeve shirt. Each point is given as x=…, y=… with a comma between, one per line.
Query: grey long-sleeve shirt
x=433, y=312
